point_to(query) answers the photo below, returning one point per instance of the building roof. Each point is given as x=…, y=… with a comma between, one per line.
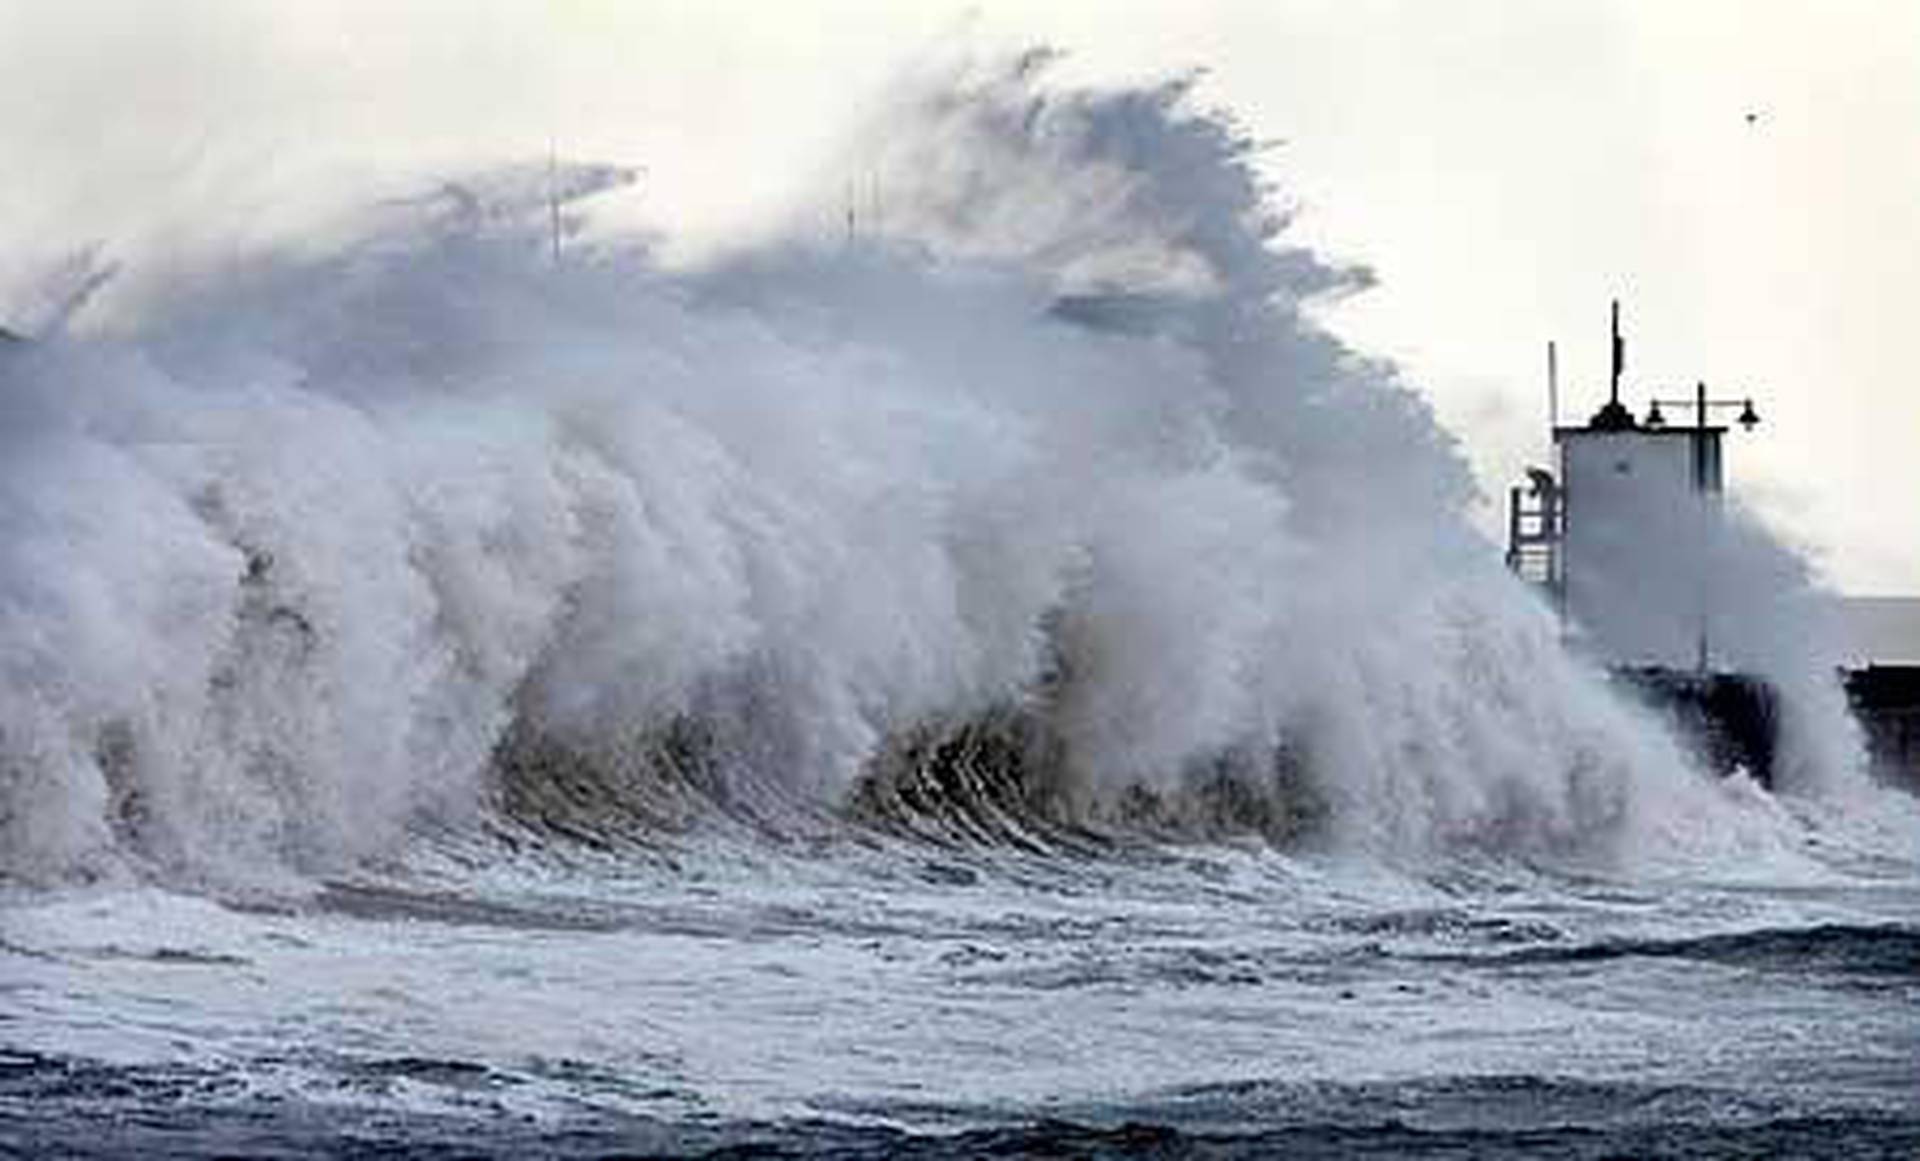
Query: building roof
x=1880, y=630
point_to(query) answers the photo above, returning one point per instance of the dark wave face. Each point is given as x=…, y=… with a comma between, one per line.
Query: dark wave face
x=1887, y=957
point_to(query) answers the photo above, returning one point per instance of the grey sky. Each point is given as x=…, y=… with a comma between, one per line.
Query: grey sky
x=1505, y=166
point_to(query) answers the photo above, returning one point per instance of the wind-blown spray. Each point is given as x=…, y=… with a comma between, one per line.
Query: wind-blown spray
x=305, y=550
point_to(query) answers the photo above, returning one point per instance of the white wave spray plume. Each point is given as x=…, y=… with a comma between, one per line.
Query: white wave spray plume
x=305, y=550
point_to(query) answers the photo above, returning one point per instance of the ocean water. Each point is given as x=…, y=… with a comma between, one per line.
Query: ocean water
x=1011, y=683
x=880, y=998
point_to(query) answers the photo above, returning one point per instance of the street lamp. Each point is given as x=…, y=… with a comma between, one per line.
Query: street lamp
x=1747, y=419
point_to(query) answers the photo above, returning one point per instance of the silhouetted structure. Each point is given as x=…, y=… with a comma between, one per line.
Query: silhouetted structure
x=1622, y=540
x=1886, y=699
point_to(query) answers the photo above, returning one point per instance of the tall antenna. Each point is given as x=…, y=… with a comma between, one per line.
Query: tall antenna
x=1614, y=417
x=1619, y=354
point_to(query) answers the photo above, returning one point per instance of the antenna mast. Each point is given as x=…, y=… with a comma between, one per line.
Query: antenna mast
x=1619, y=355
x=1614, y=417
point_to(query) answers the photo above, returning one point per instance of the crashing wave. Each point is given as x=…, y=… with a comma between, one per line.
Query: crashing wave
x=1049, y=515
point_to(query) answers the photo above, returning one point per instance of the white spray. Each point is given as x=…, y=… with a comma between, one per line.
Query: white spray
x=291, y=544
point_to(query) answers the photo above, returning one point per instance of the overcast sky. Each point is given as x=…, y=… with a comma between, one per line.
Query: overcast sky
x=1746, y=176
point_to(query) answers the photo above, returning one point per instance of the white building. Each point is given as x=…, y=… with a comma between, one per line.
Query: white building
x=1624, y=535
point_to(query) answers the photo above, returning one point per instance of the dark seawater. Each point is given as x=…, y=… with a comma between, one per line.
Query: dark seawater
x=1491, y=1117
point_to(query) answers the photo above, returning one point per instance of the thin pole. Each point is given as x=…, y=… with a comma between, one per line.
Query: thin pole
x=1556, y=506
x=1553, y=387
x=1706, y=515
x=1619, y=353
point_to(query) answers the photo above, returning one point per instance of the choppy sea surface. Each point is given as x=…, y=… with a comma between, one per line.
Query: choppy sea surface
x=867, y=997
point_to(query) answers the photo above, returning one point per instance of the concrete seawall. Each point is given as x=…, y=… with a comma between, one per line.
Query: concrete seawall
x=1886, y=698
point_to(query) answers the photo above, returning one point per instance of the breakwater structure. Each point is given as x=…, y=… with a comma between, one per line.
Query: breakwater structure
x=1629, y=541
x=1886, y=699
x=1624, y=541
